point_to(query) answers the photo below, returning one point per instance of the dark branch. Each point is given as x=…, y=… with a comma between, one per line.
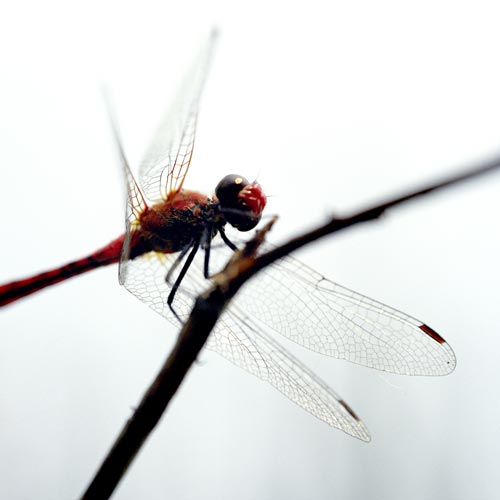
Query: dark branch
x=206, y=311
x=336, y=224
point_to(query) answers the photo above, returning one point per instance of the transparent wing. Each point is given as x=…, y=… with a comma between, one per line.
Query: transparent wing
x=135, y=200
x=237, y=338
x=166, y=161
x=309, y=309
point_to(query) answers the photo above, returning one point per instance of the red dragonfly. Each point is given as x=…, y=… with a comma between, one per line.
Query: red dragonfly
x=160, y=263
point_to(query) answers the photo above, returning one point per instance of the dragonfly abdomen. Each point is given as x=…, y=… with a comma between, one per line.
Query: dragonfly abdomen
x=110, y=254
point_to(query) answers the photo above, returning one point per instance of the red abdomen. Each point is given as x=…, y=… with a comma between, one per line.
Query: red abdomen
x=110, y=254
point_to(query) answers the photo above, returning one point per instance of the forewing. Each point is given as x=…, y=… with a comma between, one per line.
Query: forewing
x=237, y=338
x=135, y=200
x=304, y=306
x=135, y=206
x=166, y=161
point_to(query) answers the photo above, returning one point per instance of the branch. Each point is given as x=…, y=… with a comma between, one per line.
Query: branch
x=207, y=309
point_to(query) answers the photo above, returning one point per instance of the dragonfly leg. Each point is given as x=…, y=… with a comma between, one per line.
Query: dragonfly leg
x=178, y=260
x=179, y=279
x=207, y=246
x=226, y=240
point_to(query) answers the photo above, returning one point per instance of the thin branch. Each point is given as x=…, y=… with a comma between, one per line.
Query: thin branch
x=336, y=224
x=206, y=311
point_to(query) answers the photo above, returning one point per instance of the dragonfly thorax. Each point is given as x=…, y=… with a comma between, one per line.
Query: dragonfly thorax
x=173, y=224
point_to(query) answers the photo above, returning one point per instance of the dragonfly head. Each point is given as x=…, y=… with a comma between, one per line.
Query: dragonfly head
x=241, y=202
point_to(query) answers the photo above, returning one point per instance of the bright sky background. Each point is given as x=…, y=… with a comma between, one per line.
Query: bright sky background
x=333, y=105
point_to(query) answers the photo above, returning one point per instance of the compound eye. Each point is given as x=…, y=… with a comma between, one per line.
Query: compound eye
x=228, y=189
x=240, y=202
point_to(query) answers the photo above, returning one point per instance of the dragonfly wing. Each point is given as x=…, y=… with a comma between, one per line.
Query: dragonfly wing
x=135, y=199
x=309, y=309
x=135, y=206
x=145, y=278
x=166, y=161
x=237, y=338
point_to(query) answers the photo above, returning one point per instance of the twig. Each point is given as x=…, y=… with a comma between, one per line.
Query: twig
x=206, y=311
x=192, y=337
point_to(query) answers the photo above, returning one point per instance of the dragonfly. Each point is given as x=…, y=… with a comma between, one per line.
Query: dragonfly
x=175, y=238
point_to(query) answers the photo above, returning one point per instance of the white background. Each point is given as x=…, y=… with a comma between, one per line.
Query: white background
x=332, y=105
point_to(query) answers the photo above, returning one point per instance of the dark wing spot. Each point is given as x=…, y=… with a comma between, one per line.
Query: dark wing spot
x=349, y=410
x=434, y=335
